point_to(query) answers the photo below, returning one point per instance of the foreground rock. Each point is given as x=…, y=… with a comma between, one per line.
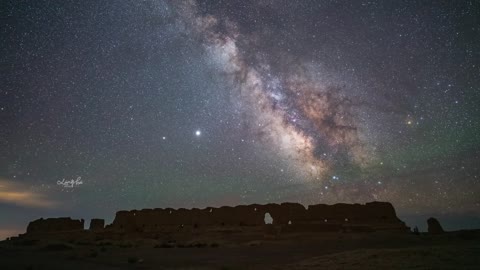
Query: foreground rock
x=434, y=226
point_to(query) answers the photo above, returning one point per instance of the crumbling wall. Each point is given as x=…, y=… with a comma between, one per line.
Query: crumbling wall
x=97, y=224
x=320, y=217
x=55, y=225
x=376, y=212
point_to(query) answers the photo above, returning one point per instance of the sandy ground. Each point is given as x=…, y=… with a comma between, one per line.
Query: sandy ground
x=456, y=250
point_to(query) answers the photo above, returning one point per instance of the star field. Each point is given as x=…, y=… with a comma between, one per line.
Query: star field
x=209, y=103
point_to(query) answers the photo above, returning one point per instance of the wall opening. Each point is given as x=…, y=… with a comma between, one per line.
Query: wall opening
x=268, y=218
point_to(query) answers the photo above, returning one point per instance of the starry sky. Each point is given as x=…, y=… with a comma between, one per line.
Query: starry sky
x=208, y=103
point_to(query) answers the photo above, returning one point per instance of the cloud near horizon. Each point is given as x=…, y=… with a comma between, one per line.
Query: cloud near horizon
x=21, y=195
x=5, y=233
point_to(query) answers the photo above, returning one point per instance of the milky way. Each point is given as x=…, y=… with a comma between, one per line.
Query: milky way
x=307, y=121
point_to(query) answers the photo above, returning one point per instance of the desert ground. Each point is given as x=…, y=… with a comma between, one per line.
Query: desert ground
x=237, y=250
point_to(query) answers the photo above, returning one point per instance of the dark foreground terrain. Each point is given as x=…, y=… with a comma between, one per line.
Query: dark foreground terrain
x=235, y=250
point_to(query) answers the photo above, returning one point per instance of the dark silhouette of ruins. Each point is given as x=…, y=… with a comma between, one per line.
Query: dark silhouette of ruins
x=287, y=217
x=320, y=217
x=55, y=225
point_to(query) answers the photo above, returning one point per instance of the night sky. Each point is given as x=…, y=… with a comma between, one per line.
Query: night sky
x=209, y=103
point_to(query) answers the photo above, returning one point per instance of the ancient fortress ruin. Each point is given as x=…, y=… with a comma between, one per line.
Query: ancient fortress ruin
x=289, y=217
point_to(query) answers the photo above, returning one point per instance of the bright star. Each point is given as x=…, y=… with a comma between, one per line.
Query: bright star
x=198, y=133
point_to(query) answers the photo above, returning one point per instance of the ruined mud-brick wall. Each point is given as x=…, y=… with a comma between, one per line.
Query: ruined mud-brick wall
x=55, y=225
x=97, y=224
x=377, y=215
x=374, y=212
